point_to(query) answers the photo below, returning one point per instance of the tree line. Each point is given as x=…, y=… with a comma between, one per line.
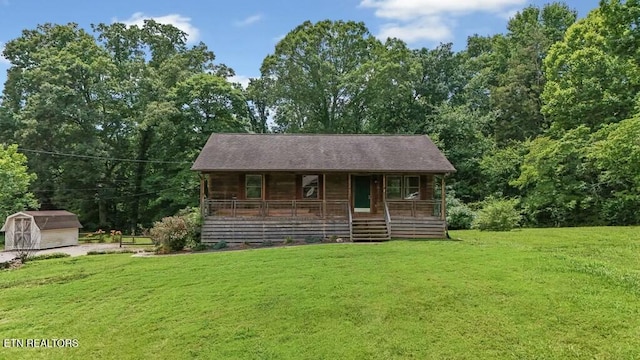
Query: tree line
x=547, y=112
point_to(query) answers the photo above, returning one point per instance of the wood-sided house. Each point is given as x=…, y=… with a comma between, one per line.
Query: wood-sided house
x=257, y=187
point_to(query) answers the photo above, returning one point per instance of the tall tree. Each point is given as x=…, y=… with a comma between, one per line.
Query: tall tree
x=315, y=77
x=109, y=99
x=587, y=82
x=14, y=182
x=516, y=96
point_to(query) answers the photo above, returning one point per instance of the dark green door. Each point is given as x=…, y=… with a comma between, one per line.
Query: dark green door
x=362, y=193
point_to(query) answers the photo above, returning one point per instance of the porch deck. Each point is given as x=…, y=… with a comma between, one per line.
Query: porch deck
x=237, y=221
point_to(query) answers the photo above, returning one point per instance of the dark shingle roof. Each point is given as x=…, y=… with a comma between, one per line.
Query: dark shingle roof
x=54, y=219
x=280, y=152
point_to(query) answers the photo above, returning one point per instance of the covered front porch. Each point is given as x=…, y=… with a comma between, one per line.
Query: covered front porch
x=359, y=206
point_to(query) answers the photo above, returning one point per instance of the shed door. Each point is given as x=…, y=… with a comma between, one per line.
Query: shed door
x=362, y=193
x=22, y=236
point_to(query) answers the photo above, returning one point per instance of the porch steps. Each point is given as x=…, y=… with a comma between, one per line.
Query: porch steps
x=369, y=229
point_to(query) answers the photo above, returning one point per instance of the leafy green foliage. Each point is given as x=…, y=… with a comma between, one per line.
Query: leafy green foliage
x=459, y=215
x=559, y=187
x=14, y=182
x=616, y=154
x=126, y=93
x=316, y=82
x=220, y=245
x=588, y=83
x=458, y=131
x=518, y=64
x=497, y=215
x=500, y=167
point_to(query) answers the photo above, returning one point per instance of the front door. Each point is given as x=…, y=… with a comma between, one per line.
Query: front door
x=362, y=194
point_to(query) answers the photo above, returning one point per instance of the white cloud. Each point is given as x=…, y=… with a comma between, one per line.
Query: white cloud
x=411, y=9
x=240, y=79
x=434, y=20
x=181, y=22
x=249, y=20
x=430, y=28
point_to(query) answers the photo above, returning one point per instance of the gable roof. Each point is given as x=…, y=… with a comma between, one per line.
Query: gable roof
x=297, y=152
x=51, y=219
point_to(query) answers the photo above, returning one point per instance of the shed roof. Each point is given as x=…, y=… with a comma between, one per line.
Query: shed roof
x=54, y=219
x=296, y=152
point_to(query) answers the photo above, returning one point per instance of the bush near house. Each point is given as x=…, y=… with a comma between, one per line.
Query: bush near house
x=497, y=215
x=173, y=233
x=459, y=215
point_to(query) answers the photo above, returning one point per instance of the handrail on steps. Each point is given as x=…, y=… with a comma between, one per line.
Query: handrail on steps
x=387, y=217
x=350, y=221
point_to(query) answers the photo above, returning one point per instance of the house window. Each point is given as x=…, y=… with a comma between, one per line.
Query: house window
x=403, y=187
x=394, y=187
x=253, y=186
x=411, y=188
x=310, y=186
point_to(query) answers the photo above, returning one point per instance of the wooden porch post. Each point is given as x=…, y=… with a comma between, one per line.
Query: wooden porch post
x=324, y=195
x=443, y=207
x=202, y=205
x=384, y=188
x=349, y=189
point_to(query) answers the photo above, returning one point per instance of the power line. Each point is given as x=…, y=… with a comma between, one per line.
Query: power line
x=102, y=157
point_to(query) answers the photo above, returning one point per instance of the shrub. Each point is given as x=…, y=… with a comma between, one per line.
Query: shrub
x=201, y=247
x=170, y=234
x=55, y=255
x=459, y=215
x=193, y=218
x=267, y=243
x=288, y=240
x=497, y=215
x=313, y=239
x=220, y=245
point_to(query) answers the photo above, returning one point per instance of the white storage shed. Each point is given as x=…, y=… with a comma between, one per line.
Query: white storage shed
x=41, y=230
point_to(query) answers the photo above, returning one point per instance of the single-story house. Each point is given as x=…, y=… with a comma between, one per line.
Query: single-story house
x=41, y=230
x=257, y=187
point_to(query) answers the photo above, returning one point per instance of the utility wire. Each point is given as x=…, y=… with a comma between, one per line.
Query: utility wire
x=102, y=157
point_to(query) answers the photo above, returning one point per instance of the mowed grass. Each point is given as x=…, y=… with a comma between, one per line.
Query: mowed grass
x=529, y=294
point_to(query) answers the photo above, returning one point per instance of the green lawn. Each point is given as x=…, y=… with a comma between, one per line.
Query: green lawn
x=530, y=294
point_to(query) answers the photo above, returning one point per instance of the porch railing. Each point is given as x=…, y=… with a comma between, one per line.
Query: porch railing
x=277, y=208
x=413, y=208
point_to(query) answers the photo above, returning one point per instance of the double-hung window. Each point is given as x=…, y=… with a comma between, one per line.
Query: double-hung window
x=253, y=186
x=403, y=187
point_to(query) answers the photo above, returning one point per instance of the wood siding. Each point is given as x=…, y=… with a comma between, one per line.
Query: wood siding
x=337, y=187
x=280, y=186
x=224, y=186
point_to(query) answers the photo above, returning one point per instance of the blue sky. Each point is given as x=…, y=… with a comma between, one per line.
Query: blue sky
x=242, y=32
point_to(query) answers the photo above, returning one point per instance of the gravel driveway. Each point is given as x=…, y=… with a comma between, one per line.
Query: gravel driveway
x=71, y=250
